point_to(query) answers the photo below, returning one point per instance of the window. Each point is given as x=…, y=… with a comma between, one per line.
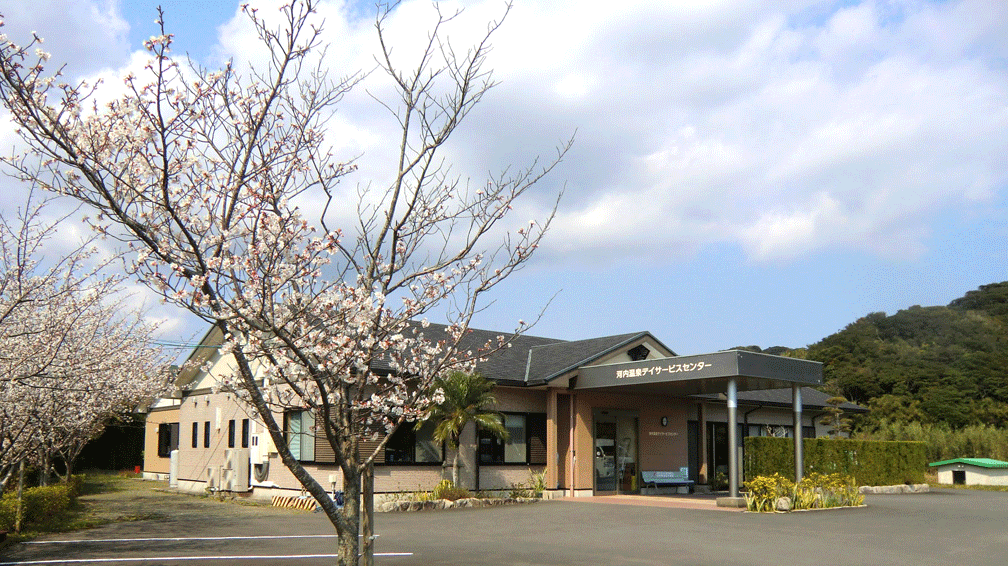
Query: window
x=300, y=433
x=515, y=448
x=195, y=434
x=231, y=433
x=526, y=443
x=168, y=437
x=409, y=445
x=245, y=433
x=781, y=431
x=206, y=434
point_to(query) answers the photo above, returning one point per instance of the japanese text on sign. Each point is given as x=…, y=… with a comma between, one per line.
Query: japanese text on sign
x=659, y=370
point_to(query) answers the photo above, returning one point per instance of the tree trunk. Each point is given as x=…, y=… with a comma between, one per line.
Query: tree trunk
x=367, y=521
x=44, y=472
x=20, y=497
x=349, y=537
x=455, y=467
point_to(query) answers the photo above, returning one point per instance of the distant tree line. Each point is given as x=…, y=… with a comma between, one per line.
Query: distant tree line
x=941, y=365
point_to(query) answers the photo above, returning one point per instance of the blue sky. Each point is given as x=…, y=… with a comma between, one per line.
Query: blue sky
x=762, y=173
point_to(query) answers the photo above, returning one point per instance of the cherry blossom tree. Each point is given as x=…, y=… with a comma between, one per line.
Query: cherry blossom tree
x=71, y=355
x=205, y=175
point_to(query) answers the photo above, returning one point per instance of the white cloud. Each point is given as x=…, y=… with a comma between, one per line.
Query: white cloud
x=832, y=131
x=784, y=130
x=87, y=35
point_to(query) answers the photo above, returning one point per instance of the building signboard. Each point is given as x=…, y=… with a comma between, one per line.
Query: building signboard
x=732, y=363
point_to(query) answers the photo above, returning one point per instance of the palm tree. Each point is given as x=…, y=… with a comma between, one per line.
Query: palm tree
x=467, y=398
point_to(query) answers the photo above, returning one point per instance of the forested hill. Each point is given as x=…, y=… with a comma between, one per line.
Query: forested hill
x=929, y=364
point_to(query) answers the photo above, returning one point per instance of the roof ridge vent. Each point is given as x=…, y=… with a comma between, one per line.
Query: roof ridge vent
x=638, y=352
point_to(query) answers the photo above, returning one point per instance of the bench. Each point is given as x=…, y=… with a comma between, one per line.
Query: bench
x=677, y=479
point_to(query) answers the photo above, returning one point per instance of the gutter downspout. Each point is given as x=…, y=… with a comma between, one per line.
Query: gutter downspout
x=745, y=418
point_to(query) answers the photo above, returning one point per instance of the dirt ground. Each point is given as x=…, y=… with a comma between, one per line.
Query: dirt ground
x=136, y=499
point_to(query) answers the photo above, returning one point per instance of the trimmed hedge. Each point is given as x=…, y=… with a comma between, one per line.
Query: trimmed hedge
x=870, y=462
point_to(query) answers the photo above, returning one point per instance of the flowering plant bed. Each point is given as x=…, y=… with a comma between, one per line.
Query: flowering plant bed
x=776, y=493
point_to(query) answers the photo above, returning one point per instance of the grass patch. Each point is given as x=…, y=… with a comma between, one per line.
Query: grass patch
x=59, y=508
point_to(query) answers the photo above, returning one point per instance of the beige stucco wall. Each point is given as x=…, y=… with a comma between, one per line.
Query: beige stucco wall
x=506, y=477
x=152, y=463
x=520, y=399
x=203, y=405
x=217, y=409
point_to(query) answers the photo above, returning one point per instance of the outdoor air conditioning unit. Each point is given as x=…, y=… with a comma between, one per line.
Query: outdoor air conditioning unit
x=213, y=477
x=261, y=447
x=227, y=480
x=235, y=474
x=235, y=480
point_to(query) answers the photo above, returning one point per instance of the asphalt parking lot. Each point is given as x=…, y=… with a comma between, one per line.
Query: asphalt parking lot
x=942, y=527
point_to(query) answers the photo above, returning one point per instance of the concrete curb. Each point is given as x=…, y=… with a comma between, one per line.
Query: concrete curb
x=893, y=489
x=469, y=503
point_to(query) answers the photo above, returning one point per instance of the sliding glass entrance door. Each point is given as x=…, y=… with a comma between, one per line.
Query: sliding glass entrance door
x=616, y=455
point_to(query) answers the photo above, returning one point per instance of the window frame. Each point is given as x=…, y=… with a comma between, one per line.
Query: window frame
x=500, y=448
x=305, y=436
x=168, y=439
x=231, y=433
x=407, y=429
x=206, y=434
x=195, y=434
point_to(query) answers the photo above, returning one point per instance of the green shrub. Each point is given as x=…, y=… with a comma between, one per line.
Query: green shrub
x=814, y=491
x=421, y=496
x=821, y=491
x=41, y=506
x=537, y=483
x=762, y=492
x=447, y=490
x=535, y=487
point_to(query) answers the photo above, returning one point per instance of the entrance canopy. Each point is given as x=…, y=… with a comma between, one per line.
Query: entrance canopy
x=702, y=374
x=721, y=372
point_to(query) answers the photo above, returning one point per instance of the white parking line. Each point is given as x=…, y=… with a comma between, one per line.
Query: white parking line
x=175, y=539
x=189, y=558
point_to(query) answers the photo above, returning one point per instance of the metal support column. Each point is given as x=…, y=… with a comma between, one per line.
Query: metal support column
x=799, y=452
x=733, y=472
x=573, y=452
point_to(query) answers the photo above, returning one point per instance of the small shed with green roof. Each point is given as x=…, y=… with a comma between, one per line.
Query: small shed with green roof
x=971, y=471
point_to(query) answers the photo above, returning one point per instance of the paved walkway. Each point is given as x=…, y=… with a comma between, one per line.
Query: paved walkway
x=939, y=528
x=697, y=501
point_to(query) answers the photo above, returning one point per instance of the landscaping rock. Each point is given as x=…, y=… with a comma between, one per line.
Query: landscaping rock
x=783, y=504
x=894, y=489
x=411, y=506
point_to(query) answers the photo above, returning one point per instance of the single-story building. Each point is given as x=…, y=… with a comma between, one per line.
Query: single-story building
x=971, y=471
x=596, y=416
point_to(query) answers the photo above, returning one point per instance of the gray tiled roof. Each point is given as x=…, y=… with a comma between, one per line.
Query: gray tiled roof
x=811, y=398
x=507, y=364
x=535, y=359
x=552, y=360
